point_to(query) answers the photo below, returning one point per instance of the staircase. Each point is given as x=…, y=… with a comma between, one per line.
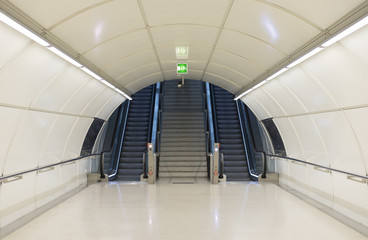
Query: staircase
x=230, y=137
x=183, y=150
x=135, y=139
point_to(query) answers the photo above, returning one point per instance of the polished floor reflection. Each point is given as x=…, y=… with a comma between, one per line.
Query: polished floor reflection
x=184, y=209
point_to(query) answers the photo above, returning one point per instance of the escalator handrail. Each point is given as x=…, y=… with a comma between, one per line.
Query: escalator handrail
x=246, y=135
x=155, y=117
x=150, y=122
x=119, y=140
x=211, y=117
x=214, y=115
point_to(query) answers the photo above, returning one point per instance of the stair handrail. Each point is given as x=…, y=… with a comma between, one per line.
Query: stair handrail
x=248, y=146
x=118, y=141
x=214, y=116
x=150, y=122
x=154, y=124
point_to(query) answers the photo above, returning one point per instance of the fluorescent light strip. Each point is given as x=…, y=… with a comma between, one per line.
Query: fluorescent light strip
x=108, y=84
x=10, y=22
x=305, y=57
x=122, y=93
x=15, y=25
x=346, y=32
x=277, y=74
x=65, y=57
x=91, y=73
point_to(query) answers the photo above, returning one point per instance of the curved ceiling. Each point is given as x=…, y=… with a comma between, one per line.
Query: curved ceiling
x=231, y=42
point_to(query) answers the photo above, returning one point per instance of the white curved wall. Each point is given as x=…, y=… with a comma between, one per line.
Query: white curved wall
x=320, y=108
x=46, y=109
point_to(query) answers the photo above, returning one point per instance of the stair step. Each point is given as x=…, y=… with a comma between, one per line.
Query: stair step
x=183, y=174
x=183, y=169
x=182, y=154
x=183, y=164
x=182, y=149
x=186, y=158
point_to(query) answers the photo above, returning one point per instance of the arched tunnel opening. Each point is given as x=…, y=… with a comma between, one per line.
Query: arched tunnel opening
x=183, y=119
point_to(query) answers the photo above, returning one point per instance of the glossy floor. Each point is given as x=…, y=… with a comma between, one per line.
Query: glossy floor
x=184, y=209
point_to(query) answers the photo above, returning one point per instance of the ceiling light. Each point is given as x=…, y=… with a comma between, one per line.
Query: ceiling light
x=91, y=73
x=346, y=32
x=306, y=56
x=182, y=52
x=123, y=93
x=108, y=84
x=277, y=74
x=65, y=57
x=10, y=22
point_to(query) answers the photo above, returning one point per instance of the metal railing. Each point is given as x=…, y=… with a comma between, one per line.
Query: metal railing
x=45, y=168
x=317, y=167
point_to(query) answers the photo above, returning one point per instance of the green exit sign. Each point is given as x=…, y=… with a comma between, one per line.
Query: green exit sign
x=182, y=68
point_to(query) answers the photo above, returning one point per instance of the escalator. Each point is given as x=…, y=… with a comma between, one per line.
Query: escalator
x=229, y=135
x=136, y=135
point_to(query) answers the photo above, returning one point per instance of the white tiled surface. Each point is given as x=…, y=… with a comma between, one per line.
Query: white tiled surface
x=184, y=211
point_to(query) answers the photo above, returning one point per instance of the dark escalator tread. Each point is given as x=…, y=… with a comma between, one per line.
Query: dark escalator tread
x=230, y=137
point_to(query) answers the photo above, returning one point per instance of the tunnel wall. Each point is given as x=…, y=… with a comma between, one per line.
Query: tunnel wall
x=46, y=108
x=320, y=108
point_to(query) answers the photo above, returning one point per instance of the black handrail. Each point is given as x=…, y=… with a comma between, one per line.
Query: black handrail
x=214, y=116
x=47, y=166
x=247, y=140
x=149, y=137
x=119, y=139
x=319, y=166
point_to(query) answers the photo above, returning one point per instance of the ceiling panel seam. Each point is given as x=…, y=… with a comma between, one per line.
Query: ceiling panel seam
x=291, y=13
x=144, y=16
x=227, y=13
x=43, y=110
x=78, y=13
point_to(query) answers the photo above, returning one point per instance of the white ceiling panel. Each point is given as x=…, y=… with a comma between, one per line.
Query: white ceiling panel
x=284, y=98
x=348, y=88
x=290, y=138
x=268, y=103
x=95, y=105
x=251, y=48
x=123, y=46
x=162, y=12
x=11, y=43
x=311, y=140
x=61, y=89
x=139, y=84
x=131, y=62
x=257, y=108
x=239, y=64
x=187, y=35
x=110, y=106
x=360, y=128
x=77, y=103
x=235, y=77
x=315, y=11
x=56, y=10
x=307, y=90
x=90, y=28
x=221, y=82
x=138, y=73
x=341, y=142
x=357, y=44
x=270, y=24
x=27, y=75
